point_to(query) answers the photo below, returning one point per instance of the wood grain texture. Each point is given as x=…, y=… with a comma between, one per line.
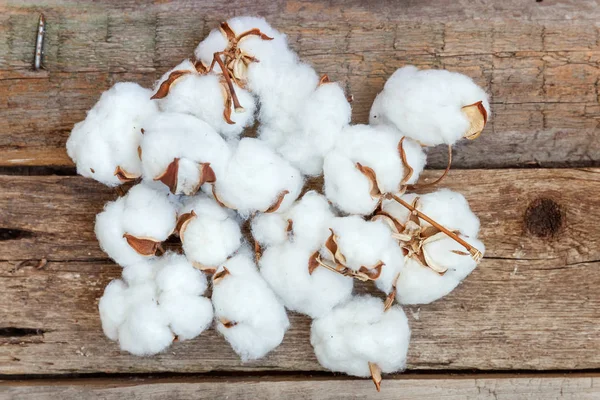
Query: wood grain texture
x=506, y=388
x=532, y=304
x=539, y=62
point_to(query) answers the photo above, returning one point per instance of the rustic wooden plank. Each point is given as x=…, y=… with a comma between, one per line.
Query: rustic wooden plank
x=513, y=387
x=532, y=304
x=539, y=61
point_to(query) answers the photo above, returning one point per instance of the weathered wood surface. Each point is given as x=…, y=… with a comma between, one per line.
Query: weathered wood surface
x=467, y=388
x=539, y=61
x=532, y=304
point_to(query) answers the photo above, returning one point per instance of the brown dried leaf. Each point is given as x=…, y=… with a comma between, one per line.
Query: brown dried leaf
x=390, y=221
x=165, y=86
x=313, y=262
x=142, y=245
x=227, y=31
x=124, y=176
x=275, y=206
x=477, y=116
x=204, y=268
x=227, y=323
x=374, y=190
x=409, y=169
x=257, y=251
x=201, y=68
x=290, y=226
x=218, y=277
x=324, y=79
x=182, y=223
x=373, y=272
x=207, y=174
x=169, y=176
x=334, y=251
x=375, y=375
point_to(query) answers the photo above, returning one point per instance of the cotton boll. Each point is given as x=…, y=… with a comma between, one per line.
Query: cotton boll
x=188, y=315
x=212, y=235
x=145, y=331
x=185, y=65
x=110, y=134
x=143, y=215
x=247, y=313
x=269, y=229
x=311, y=217
x=427, y=105
x=321, y=121
x=203, y=96
x=112, y=308
x=421, y=285
x=360, y=332
x=187, y=141
x=176, y=274
x=362, y=242
x=256, y=179
x=213, y=43
x=446, y=207
x=374, y=148
x=286, y=269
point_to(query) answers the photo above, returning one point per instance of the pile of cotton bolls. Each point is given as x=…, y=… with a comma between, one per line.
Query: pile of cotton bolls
x=199, y=177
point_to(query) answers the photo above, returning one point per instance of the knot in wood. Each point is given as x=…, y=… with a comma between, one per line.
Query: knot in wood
x=544, y=218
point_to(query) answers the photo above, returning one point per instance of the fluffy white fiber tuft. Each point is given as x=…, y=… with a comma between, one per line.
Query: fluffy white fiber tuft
x=360, y=332
x=247, y=312
x=426, y=105
x=110, y=134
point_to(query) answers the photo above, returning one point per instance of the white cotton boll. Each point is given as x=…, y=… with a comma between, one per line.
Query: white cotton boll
x=247, y=312
x=346, y=187
x=212, y=235
x=320, y=124
x=360, y=332
x=203, y=96
x=188, y=315
x=143, y=213
x=177, y=274
x=140, y=272
x=362, y=243
x=446, y=207
x=311, y=217
x=427, y=105
x=256, y=178
x=180, y=288
x=269, y=229
x=170, y=136
x=285, y=268
x=393, y=260
x=213, y=43
x=145, y=331
x=283, y=92
x=113, y=308
x=148, y=213
x=110, y=134
x=375, y=148
x=421, y=285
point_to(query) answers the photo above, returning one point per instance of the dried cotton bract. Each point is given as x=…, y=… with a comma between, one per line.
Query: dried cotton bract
x=432, y=106
x=435, y=263
x=131, y=228
x=104, y=145
x=247, y=312
x=360, y=338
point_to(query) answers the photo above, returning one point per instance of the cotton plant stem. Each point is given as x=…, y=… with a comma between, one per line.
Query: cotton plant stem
x=475, y=254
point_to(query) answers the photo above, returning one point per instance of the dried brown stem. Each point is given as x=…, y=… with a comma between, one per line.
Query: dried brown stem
x=475, y=254
x=236, y=103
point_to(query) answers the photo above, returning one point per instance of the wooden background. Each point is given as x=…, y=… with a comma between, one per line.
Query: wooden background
x=525, y=324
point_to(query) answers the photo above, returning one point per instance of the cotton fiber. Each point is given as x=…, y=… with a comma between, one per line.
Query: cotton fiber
x=247, y=313
x=429, y=105
x=104, y=146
